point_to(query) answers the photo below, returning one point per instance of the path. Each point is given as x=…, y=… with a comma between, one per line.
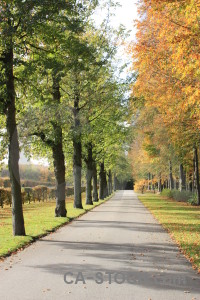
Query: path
x=119, y=237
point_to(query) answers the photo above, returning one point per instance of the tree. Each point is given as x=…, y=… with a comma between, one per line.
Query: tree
x=166, y=62
x=65, y=39
x=20, y=23
x=90, y=87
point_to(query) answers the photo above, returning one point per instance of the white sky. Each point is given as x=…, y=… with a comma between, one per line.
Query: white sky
x=125, y=15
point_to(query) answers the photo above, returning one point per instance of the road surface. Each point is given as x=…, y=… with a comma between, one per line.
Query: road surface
x=116, y=251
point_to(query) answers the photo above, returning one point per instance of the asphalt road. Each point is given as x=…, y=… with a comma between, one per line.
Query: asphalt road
x=116, y=251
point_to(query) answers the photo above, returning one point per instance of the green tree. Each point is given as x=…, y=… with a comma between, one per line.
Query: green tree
x=20, y=23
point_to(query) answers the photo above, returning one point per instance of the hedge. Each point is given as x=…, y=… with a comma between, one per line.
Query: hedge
x=29, y=194
x=183, y=196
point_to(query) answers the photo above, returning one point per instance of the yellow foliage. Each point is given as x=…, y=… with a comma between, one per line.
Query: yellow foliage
x=141, y=186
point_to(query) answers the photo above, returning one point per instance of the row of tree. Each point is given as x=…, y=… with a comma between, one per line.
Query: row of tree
x=166, y=58
x=59, y=95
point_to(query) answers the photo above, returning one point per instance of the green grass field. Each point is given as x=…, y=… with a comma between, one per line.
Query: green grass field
x=181, y=220
x=39, y=220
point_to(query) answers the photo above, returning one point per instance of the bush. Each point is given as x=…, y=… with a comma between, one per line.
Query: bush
x=40, y=193
x=5, y=197
x=1, y=182
x=69, y=191
x=182, y=196
x=6, y=182
x=193, y=199
x=51, y=193
x=33, y=194
x=167, y=193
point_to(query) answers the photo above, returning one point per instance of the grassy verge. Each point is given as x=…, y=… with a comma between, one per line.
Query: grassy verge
x=181, y=220
x=39, y=221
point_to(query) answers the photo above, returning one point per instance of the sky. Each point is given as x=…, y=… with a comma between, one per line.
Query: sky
x=124, y=15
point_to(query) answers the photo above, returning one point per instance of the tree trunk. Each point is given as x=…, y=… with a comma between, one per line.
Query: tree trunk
x=196, y=159
x=77, y=166
x=182, y=178
x=165, y=184
x=103, y=188
x=89, y=187
x=59, y=170
x=58, y=158
x=77, y=147
x=13, y=147
x=149, y=178
x=115, y=182
x=151, y=187
x=176, y=183
x=171, y=180
x=190, y=184
x=95, y=188
x=109, y=183
x=194, y=187
x=186, y=181
x=160, y=183
x=89, y=164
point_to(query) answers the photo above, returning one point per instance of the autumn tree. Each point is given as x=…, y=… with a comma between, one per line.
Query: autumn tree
x=166, y=59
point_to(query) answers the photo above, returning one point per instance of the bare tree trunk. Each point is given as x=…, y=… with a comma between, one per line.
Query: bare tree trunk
x=13, y=161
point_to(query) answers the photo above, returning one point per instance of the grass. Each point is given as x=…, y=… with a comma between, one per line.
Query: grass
x=39, y=221
x=181, y=220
